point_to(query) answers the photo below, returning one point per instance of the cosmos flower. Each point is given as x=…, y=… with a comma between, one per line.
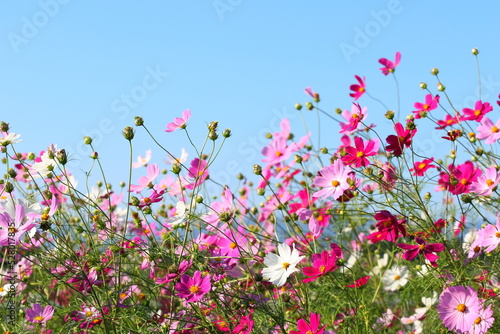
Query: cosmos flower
x=280, y=267
x=458, y=308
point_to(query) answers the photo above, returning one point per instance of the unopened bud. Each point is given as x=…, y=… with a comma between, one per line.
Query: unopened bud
x=435, y=71
x=257, y=170
x=62, y=157
x=309, y=106
x=298, y=159
x=389, y=114
x=87, y=140
x=138, y=121
x=440, y=87
x=298, y=106
x=213, y=135
x=213, y=126
x=226, y=133
x=423, y=85
x=4, y=127
x=128, y=133
x=94, y=155
x=176, y=169
x=199, y=199
x=134, y=201
x=475, y=51
x=9, y=187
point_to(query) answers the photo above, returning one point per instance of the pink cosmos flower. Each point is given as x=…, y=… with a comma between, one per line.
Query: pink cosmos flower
x=403, y=138
x=476, y=114
x=11, y=231
x=489, y=131
x=485, y=183
x=420, y=167
x=193, y=288
x=354, y=118
x=359, y=282
x=322, y=264
x=277, y=151
x=488, y=237
x=357, y=156
x=37, y=315
x=430, y=103
x=458, y=180
x=245, y=324
x=484, y=320
x=427, y=250
x=448, y=121
x=309, y=328
x=198, y=173
x=358, y=90
x=309, y=91
x=389, y=66
x=458, y=308
x=333, y=179
x=179, y=122
x=142, y=161
x=146, y=181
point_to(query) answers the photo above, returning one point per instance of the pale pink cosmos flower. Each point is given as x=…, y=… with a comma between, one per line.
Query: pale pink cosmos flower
x=458, y=308
x=489, y=131
x=484, y=320
x=37, y=315
x=146, y=181
x=333, y=179
x=11, y=231
x=488, y=237
x=485, y=183
x=142, y=160
x=179, y=122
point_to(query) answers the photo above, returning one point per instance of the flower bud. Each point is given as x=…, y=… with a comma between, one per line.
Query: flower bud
x=94, y=155
x=213, y=135
x=309, y=106
x=389, y=114
x=31, y=156
x=138, y=121
x=122, y=184
x=226, y=133
x=87, y=140
x=338, y=111
x=441, y=87
x=298, y=158
x=257, y=170
x=298, y=106
x=324, y=150
x=128, y=133
x=423, y=85
x=479, y=151
x=176, y=169
x=4, y=127
x=199, y=199
x=261, y=191
x=316, y=97
x=134, y=201
x=213, y=126
x=62, y=157
x=475, y=51
x=9, y=187
x=435, y=71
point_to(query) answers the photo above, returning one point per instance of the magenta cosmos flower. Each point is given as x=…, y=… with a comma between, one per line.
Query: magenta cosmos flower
x=430, y=103
x=357, y=155
x=333, y=179
x=358, y=90
x=389, y=65
x=179, y=122
x=37, y=315
x=193, y=288
x=476, y=114
x=427, y=250
x=309, y=328
x=403, y=138
x=420, y=167
x=458, y=308
x=322, y=264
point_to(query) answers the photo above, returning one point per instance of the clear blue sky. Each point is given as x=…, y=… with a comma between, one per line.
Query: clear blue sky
x=75, y=68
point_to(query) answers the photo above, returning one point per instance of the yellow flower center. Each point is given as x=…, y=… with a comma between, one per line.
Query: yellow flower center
x=497, y=234
x=278, y=154
x=123, y=295
x=39, y=318
x=361, y=89
x=489, y=182
x=463, y=181
x=421, y=247
x=88, y=314
x=322, y=269
x=335, y=183
x=478, y=320
x=147, y=200
x=494, y=129
x=194, y=289
x=397, y=277
x=286, y=265
x=232, y=245
x=461, y=308
x=422, y=165
x=477, y=112
x=426, y=106
x=359, y=154
x=44, y=216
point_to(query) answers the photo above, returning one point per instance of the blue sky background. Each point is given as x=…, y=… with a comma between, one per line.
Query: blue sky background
x=75, y=68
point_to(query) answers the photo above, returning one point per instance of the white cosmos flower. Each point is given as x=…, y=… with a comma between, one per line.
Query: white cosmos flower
x=179, y=215
x=9, y=138
x=395, y=278
x=279, y=267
